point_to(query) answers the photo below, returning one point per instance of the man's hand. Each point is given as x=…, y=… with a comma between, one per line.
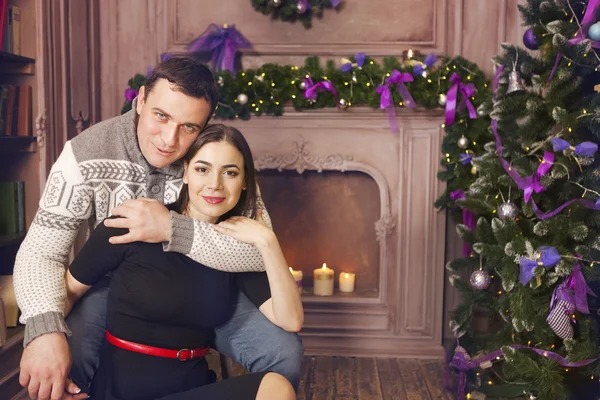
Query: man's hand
x=147, y=220
x=45, y=365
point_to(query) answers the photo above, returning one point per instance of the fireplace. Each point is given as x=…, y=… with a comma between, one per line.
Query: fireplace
x=342, y=189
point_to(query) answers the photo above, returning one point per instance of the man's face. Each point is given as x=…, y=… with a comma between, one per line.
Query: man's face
x=169, y=122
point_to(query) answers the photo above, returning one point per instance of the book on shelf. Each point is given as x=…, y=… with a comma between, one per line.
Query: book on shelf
x=16, y=106
x=10, y=27
x=12, y=207
x=7, y=293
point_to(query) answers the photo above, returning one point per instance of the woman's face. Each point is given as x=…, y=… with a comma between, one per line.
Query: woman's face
x=215, y=178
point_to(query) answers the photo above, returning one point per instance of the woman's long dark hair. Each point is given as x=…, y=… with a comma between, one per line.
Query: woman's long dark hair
x=215, y=133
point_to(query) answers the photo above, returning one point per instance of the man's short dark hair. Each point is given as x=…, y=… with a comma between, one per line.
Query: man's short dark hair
x=190, y=77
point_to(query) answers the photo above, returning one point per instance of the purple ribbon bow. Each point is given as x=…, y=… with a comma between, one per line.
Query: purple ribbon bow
x=130, y=94
x=574, y=291
x=398, y=78
x=548, y=257
x=428, y=62
x=224, y=42
x=360, y=61
x=312, y=89
x=466, y=158
x=531, y=183
x=468, y=218
x=467, y=91
x=584, y=149
x=463, y=363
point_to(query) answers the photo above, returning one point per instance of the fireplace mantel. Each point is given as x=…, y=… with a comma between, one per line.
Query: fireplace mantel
x=404, y=317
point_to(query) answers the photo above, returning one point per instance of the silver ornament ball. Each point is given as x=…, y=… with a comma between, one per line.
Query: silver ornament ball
x=442, y=100
x=508, y=210
x=303, y=85
x=480, y=280
x=342, y=103
x=481, y=111
x=242, y=98
x=463, y=142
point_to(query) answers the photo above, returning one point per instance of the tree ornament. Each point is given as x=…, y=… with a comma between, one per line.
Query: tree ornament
x=242, y=98
x=301, y=7
x=480, y=279
x=514, y=83
x=302, y=85
x=354, y=77
x=594, y=31
x=424, y=74
x=532, y=396
x=474, y=170
x=260, y=78
x=481, y=111
x=442, y=100
x=276, y=3
x=463, y=142
x=508, y=210
x=342, y=103
x=530, y=40
x=220, y=81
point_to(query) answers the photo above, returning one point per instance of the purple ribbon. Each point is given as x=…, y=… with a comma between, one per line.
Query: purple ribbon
x=428, y=62
x=532, y=183
x=549, y=257
x=574, y=291
x=517, y=178
x=360, y=61
x=497, y=79
x=312, y=89
x=223, y=42
x=468, y=218
x=466, y=158
x=398, y=78
x=466, y=91
x=335, y=3
x=584, y=149
x=462, y=362
x=130, y=94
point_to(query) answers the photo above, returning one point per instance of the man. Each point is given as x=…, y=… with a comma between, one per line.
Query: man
x=99, y=173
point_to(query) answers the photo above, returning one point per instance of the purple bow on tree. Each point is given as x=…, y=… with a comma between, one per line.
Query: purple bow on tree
x=348, y=65
x=428, y=62
x=224, y=43
x=531, y=183
x=584, y=149
x=463, y=363
x=467, y=91
x=548, y=257
x=312, y=89
x=573, y=290
x=130, y=94
x=466, y=158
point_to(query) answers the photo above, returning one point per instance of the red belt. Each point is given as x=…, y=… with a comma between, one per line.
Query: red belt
x=181, y=355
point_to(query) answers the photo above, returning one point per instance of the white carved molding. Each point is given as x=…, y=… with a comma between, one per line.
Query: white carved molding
x=41, y=128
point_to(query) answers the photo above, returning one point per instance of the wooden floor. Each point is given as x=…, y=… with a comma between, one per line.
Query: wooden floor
x=349, y=378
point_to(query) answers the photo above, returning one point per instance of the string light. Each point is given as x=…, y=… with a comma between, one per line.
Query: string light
x=273, y=84
x=443, y=125
x=368, y=84
x=490, y=382
x=293, y=96
x=256, y=108
x=249, y=83
x=345, y=83
x=243, y=74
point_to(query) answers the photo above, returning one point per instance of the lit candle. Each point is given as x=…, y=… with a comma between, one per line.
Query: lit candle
x=323, y=285
x=298, y=278
x=347, y=282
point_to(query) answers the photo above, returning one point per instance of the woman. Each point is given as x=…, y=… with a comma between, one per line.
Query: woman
x=163, y=307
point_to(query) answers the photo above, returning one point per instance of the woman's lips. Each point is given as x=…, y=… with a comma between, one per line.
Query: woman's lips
x=213, y=200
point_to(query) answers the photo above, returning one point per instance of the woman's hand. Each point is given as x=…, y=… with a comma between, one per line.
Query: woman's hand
x=247, y=230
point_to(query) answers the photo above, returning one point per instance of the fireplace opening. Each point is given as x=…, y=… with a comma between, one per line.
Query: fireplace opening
x=326, y=217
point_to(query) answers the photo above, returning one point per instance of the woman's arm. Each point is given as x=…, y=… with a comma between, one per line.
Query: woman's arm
x=95, y=259
x=284, y=308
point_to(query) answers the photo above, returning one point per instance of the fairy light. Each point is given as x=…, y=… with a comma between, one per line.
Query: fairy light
x=368, y=84
x=257, y=109
x=273, y=84
x=249, y=83
x=447, y=154
x=388, y=74
x=243, y=74
x=570, y=130
x=474, y=142
x=253, y=104
x=499, y=291
x=276, y=103
x=260, y=101
x=400, y=104
x=428, y=80
x=293, y=96
x=443, y=125
x=468, y=77
x=324, y=77
x=584, y=111
x=371, y=62
x=490, y=383
x=293, y=82
x=345, y=83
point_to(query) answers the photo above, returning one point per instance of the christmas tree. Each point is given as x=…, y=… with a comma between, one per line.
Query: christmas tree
x=531, y=213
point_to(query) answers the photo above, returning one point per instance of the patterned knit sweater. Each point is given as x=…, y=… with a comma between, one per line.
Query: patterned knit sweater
x=97, y=171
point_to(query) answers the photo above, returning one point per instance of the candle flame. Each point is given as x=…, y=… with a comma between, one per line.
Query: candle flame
x=324, y=266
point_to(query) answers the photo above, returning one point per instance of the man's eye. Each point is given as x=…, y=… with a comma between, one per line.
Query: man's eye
x=190, y=128
x=160, y=115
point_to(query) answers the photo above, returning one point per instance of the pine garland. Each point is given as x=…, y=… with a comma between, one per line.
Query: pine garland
x=290, y=10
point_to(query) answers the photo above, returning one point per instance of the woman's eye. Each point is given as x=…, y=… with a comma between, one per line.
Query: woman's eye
x=231, y=173
x=201, y=170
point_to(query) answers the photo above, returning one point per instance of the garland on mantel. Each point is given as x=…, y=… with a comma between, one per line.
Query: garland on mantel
x=294, y=10
x=454, y=84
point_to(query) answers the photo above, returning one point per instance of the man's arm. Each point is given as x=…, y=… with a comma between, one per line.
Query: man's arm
x=202, y=243
x=40, y=263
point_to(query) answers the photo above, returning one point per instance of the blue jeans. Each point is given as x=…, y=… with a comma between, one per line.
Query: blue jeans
x=248, y=337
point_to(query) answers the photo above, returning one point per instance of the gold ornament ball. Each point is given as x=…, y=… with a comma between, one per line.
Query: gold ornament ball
x=463, y=142
x=242, y=98
x=442, y=100
x=343, y=103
